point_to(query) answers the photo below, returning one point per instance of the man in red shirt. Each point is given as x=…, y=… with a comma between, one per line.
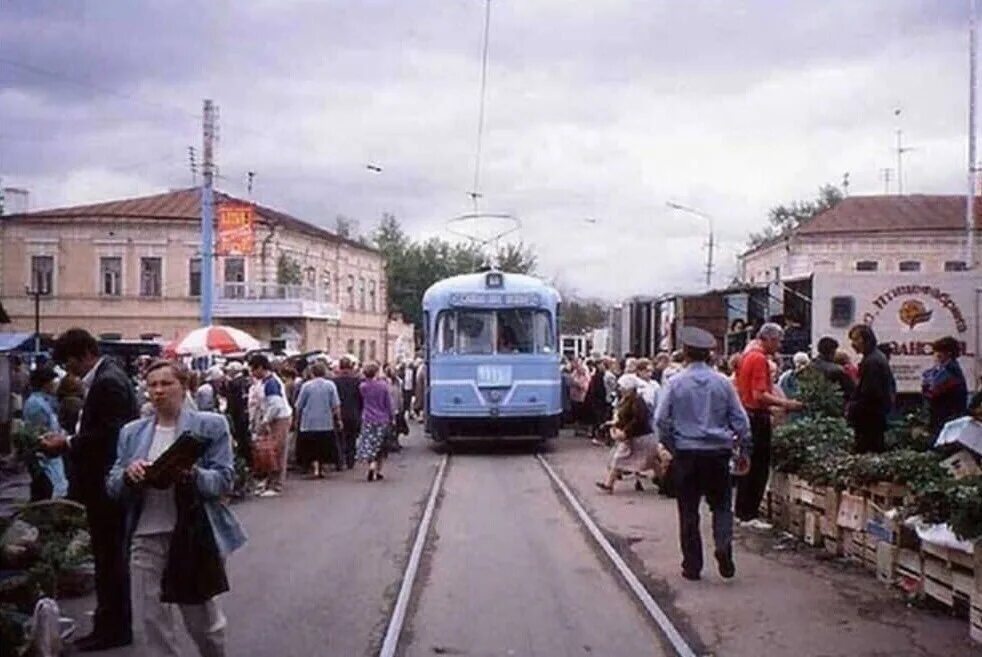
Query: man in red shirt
x=754, y=386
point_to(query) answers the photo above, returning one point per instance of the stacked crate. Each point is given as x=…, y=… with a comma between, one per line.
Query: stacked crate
x=776, y=498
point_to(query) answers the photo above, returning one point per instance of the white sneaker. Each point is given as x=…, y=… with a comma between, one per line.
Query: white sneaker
x=760, y=525
x=269, y=492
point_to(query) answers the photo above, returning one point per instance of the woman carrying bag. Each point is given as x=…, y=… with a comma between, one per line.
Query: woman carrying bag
x=178, y=531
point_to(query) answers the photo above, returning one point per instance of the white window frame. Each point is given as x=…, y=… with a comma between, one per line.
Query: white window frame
x=54, y=271
x=162, y=275
x=201, y=277
x=120, y=283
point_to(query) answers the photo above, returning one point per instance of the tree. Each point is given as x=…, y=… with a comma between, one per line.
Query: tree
x=288, y=270
x=784, y=219
x=517, y=258
x=411, y=267
x=579, y=316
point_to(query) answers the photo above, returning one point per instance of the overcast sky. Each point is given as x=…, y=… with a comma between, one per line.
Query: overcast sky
x=596, y=109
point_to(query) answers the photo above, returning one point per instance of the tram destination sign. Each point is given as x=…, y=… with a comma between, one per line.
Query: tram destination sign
x=482, y=299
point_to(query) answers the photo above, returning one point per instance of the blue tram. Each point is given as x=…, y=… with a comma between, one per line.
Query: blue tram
x=492, y=358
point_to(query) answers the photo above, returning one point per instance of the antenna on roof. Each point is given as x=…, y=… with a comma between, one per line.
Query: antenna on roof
x=886, y=174
x=845, y=184
x=250, y=176
x=194, y=166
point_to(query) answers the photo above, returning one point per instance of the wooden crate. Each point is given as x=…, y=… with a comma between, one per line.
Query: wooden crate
x=852, y=512
x=813, y=529
x=881, y=523
x=975, y=617
x=833, y=545
x=886, y=562
x=938, y=579
x=909, y=563
x=794, y=520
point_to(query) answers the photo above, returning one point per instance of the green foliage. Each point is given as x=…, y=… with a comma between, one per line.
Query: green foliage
x=288, y=270
x=412, y=266
x=580, y=316
x=59, y=523
x=957, y=502
x=809, y=443
x=783, y=219
x=821, y=397
x=911, y=432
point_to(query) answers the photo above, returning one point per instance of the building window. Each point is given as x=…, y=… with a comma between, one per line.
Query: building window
x=371, y=350
x=327, y=345
x=194, y=277
x=361, y=294
x=955, y=265
x=351, y=292
x=350, y=347
x=910, y=265
x=326, y=286
x=42, y=274
x=150, y=277
x=111, y=276
x=842, y=312
x=311, y=275
x=867, y=265
x=372, y=303
x=235, y=278
x=361, y=351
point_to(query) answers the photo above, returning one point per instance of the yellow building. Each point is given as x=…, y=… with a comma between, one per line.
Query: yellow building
x=132, y=267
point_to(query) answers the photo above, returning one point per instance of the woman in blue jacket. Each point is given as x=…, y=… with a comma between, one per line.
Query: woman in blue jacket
x=174, y=558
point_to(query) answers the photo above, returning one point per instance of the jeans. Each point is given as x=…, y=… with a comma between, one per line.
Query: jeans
x=204, y=622
x=701, y=474
x=751, y=487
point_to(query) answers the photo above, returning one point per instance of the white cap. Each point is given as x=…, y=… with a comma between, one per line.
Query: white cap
x=629, y=382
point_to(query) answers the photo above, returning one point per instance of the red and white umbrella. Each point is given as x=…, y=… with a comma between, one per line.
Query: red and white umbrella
x=210, y=340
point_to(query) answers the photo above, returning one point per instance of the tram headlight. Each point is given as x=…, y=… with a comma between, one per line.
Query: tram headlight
x=495, y=396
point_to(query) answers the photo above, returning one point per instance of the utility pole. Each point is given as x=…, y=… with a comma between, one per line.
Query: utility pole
x=207, y=214
x=970, y=199
x=712, y=237
x=886, y=174
x=37, y=290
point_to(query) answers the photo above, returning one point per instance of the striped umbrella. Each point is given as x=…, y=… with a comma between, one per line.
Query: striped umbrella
x=212, y=339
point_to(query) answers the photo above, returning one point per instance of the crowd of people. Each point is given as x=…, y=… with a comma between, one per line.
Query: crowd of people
x=701, y=425
x=155, y=453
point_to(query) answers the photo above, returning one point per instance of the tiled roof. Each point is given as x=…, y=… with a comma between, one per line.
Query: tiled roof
x=179, y=204
x=880, y=214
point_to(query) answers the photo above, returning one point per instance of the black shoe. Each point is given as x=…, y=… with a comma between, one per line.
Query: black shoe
x=371, y=475
x=94, y=642
x=727, y=568
x=637, y=486
x=692, y=577
x=378, y=476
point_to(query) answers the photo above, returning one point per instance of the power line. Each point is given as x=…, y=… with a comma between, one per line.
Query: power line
x=88, y=84
x=476, y=189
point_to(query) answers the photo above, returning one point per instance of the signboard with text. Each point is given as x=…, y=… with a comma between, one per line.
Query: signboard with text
x=236, y=235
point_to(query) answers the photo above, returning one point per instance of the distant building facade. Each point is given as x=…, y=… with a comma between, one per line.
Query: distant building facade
x=909, y=233
x=132, y=268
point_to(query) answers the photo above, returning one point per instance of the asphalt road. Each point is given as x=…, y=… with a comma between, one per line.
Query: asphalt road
x=324, y=561
x=511, y=573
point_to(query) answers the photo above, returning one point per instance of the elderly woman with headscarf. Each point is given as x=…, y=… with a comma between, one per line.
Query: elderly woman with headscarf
x=637, y=448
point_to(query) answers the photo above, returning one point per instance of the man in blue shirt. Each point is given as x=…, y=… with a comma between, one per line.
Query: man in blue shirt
x=702, y=421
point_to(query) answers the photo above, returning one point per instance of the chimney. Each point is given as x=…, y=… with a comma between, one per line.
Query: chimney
x=14, y=200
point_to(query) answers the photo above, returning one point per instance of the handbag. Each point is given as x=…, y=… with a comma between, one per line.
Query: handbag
x=265, y=454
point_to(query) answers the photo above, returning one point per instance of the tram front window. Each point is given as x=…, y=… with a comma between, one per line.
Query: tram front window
x=511, y=331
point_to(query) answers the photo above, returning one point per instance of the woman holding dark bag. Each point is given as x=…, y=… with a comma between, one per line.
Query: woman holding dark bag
x=172, y=470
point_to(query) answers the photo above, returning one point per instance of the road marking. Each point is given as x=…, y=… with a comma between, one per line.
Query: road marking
x=398, y=618
x=656, y=613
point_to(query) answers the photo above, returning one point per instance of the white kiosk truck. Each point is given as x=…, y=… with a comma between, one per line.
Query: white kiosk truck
x=907, y=310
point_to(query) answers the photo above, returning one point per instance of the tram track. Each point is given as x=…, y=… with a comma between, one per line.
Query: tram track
x=612, y=562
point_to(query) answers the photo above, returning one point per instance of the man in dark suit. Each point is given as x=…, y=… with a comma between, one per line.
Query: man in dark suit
x=110, y=402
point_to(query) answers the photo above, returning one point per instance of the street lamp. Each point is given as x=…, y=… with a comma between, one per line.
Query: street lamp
x=712, y=235
x=37, y=290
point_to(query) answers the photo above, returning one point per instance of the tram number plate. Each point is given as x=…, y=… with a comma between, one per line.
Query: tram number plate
x=493, y=375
